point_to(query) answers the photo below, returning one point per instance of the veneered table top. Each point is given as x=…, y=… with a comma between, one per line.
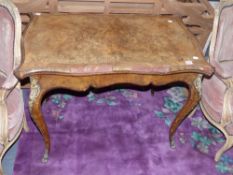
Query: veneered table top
x=84, y=44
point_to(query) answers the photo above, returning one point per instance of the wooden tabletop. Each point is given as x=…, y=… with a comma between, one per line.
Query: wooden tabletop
x=84, y=44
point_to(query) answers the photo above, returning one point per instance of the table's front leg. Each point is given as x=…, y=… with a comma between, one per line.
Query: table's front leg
x=35, y=101
x=191, y=102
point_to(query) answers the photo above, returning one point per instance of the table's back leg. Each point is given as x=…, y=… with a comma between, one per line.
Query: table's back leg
x=35, y=101
x=191, y=103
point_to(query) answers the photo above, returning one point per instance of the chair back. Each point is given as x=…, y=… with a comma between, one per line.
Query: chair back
x=10, y=34
x=222, y=37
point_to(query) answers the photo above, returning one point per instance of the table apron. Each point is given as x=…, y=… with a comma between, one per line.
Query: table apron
x=82, y=83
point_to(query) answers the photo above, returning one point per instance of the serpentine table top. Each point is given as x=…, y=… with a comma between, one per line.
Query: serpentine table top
x=95, y=44
x=79, y=51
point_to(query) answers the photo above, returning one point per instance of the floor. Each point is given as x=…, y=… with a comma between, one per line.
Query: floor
x=119, y=132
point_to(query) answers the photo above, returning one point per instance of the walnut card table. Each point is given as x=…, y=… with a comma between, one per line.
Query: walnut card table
x=80, y=51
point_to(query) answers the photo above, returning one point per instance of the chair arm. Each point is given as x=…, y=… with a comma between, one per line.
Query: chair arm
x=227, y=113
x=6, y=88
x=3, y=117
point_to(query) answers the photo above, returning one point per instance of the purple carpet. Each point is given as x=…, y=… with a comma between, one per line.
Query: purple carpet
x=121, y=132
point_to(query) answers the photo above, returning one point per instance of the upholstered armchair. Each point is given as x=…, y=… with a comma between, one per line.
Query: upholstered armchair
x=11, y=101
x=217, y=92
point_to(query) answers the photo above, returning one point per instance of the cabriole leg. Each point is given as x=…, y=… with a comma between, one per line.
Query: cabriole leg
x=35, y=101
x=191, y=103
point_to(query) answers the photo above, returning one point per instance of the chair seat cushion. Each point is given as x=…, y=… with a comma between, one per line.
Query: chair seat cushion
x=213, y=91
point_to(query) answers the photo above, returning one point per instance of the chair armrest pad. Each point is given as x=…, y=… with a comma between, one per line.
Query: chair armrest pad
x=11, y=82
